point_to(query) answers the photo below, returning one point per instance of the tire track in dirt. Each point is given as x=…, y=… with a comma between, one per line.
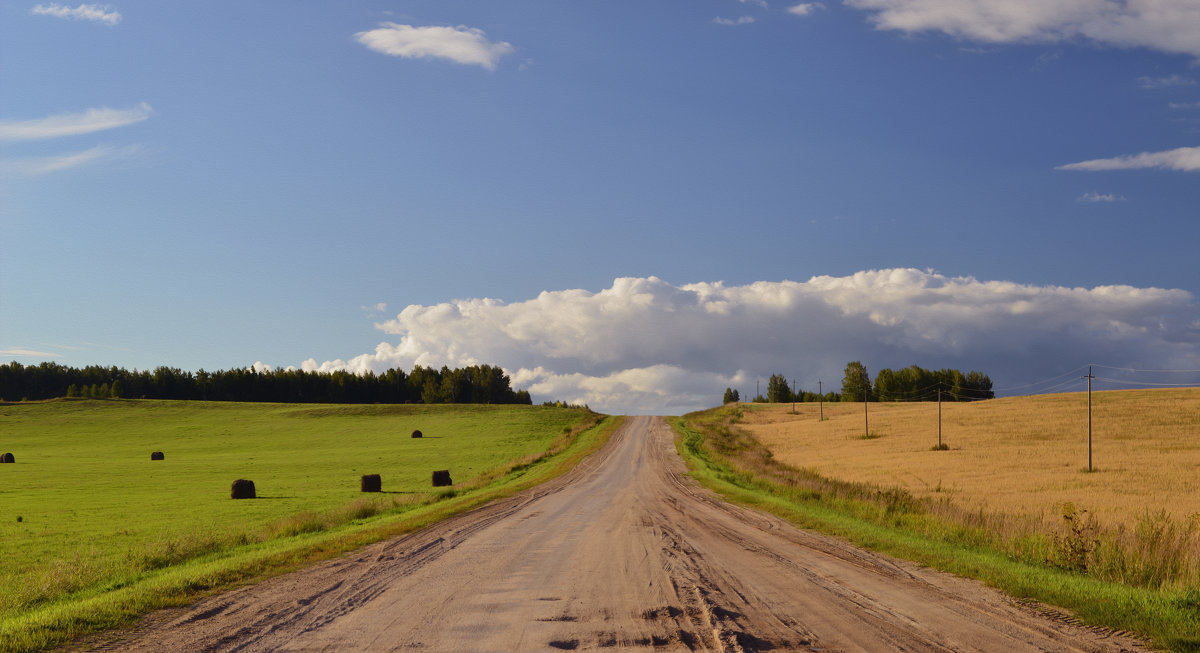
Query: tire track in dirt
x=623, y=553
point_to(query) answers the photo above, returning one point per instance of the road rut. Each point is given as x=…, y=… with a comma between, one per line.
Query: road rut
x=623, y=553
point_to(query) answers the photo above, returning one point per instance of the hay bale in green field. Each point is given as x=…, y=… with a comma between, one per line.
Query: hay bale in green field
x=441, y=478
x=417, y=433
x=372, y=483
x=157, y=455
x=7, y=458
x=243, y=489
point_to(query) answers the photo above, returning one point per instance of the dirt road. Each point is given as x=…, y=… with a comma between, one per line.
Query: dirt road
x=624, y=553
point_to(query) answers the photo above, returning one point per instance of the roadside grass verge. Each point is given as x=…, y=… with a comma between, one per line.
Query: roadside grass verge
x=1051, y=567
x=87, y=593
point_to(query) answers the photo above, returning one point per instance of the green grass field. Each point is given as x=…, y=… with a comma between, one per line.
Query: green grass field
x=84, y=512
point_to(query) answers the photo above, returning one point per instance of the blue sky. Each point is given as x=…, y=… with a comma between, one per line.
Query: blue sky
x=212, y=185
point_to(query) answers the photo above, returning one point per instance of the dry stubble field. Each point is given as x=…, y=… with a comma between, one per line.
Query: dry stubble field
x=1017, y=455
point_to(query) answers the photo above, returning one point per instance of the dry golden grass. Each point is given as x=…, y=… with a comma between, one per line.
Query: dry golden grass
x=1019, y=456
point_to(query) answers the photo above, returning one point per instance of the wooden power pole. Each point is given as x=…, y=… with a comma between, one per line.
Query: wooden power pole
x=866, y=423
x=1089, y=377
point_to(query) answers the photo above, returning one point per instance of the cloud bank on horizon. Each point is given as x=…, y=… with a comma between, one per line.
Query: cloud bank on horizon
x=647, y=346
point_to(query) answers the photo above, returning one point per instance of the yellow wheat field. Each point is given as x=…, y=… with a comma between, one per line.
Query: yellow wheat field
x=1019, y=455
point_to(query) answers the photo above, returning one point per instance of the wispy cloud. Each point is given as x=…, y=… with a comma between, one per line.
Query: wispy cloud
x=1184, y=105
x=1165, y=25
x=1164, y=82
x=1100, y=197
x=757, y=3
x=72, y=124
x=740, y=20
x=1182, y=158
x=805, y=8
x=34, y=166
x=1046, y=58
x=464, y=45
x=22, y=352
x=645, y=345
x=97, y=13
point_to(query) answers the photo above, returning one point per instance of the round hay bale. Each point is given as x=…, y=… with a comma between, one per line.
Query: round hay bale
x=7, y=458
x=441, y=478
x=417, y=433
x=372, y=483
x=243, y=489
x=157, y=455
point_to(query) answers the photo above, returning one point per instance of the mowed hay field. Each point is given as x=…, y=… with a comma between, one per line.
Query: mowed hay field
x=1018, y=455
x=84, y=505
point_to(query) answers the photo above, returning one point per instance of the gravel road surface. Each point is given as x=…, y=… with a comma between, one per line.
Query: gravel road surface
x=623, y=553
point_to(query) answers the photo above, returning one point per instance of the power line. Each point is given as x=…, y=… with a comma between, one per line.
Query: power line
x=1051, y=379
x=1132, y=369
x=1058, y=386
x=1146, y=383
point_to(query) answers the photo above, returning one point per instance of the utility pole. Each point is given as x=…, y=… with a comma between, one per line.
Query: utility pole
x=1089, y=377
x=793, y=396
x=866, y=423
x=821, y=399
x=757, y=389
x=939, y=417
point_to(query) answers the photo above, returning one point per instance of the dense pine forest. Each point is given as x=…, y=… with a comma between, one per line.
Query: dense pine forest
x=477, y=384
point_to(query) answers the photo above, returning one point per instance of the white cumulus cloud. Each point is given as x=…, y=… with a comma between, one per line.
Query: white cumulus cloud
x=741, y=20
x=645, y=345
x=97, y=13
x=1166, y=25
x=805, y=8
x=72, y=124
x=1182, y=158
x=464, y=45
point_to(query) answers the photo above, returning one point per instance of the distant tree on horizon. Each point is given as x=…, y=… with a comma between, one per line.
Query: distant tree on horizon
x=778, y=391
x=856, y=384
x=915, y=383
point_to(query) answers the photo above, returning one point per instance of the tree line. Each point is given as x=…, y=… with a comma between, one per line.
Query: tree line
x=912, y=383
x=778, y=391
x=477, y=384
x=915, y=383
